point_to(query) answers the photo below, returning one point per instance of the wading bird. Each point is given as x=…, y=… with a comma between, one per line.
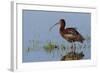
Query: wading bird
x=69, y=34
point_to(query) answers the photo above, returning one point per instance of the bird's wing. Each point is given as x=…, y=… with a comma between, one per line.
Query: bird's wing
x=72, y=31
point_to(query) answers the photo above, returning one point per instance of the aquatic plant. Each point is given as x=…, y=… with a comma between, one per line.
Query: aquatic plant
x=49, y=47
x=33, y=45
x=28, y=49
x=63, y=47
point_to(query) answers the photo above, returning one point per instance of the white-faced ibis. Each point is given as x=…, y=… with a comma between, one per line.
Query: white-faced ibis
x=69, y=34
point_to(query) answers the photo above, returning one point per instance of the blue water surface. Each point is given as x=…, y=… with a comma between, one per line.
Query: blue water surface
x=36, y=26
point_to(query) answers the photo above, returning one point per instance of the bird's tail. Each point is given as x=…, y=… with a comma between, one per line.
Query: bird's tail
x=82, y=39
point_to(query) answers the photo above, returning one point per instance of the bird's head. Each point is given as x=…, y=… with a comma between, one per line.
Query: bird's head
x=61, y=22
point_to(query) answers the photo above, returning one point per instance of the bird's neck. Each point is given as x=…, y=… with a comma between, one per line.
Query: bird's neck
x=62, y=28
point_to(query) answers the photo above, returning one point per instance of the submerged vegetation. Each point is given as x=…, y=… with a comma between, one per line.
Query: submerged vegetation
x=61, y=49
x=33, y=45
x=49, y=47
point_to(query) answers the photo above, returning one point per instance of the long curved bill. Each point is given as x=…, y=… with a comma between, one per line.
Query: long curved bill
x=53, y=26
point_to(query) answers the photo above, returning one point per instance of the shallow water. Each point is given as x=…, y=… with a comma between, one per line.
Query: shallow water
x=36, y=34
x=40, y=54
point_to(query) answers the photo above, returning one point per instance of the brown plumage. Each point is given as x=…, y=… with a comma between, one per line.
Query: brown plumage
x=70, y=34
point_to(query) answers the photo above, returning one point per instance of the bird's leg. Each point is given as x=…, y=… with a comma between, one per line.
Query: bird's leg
x=74, y=48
